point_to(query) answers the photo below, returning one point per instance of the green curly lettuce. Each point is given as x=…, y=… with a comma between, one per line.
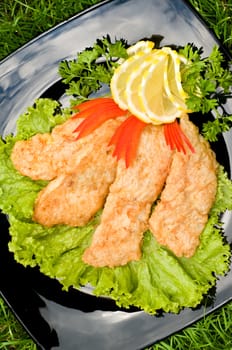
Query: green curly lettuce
x=159, y=280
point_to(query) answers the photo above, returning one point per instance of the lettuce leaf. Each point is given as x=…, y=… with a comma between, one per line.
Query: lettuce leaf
x=159, y=281
x=40, y=118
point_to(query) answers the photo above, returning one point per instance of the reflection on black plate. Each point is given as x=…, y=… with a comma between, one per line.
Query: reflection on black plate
x=76, y=320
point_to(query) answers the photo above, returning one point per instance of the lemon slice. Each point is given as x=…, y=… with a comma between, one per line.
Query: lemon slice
x=121, y=75
x=137, y=53
x=144, y=46
x=148, y=84
x=141, y=46
x=159, y=108
x=135, y=106
x=172, y=80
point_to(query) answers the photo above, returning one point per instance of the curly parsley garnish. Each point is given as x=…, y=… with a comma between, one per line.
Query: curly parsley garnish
x=92, y=68
x=208, y=83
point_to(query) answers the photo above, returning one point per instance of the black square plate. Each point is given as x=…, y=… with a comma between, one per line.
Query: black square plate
x=74, y=320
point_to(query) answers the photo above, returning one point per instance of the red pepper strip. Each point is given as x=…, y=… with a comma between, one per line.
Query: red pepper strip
x=93, y=102
x=124, y=136
x=116, y=135
x=91, y=106
x=121, y=144
x=126, y=139
x=172, y=136
x=176, y=138
x=185, y=139
x=83, y=114
x=168, y=136
x=96, y=118
x=136, y=128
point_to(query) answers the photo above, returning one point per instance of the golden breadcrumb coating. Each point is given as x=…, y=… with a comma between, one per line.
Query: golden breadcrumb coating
x=117, y=240
x=46, y=156
x=80, y=171
x=182, y=212
x=73, y=199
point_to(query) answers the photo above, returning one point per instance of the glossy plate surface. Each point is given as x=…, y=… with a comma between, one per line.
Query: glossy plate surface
x=76, y=320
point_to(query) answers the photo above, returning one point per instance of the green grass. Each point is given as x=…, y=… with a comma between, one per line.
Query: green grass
x=218, y=15
x=20, y=21
x=213, y=332
x=12, y=334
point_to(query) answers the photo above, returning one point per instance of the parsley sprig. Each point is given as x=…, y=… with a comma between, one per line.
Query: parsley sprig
x=207, y=82
x=92, y=68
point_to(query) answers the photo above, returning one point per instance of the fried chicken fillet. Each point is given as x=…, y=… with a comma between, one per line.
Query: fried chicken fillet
x=72, y=199
x=117, y=239
x=46, y=156
x=182, y=212
x=80, y=171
